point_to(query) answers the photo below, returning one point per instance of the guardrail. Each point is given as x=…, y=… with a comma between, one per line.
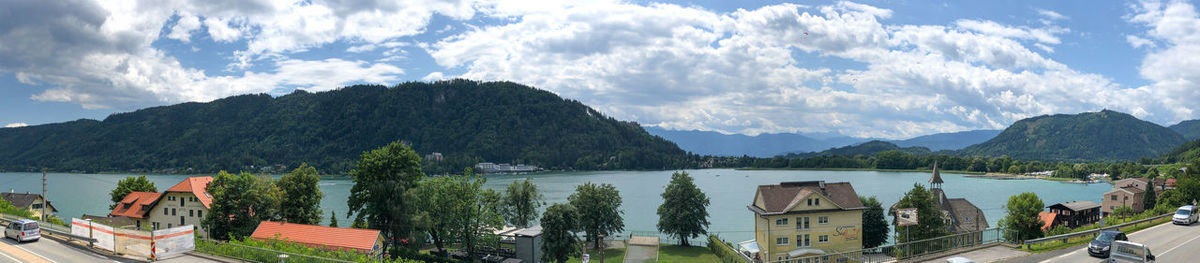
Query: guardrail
x=1029, y=243
x=47, y=227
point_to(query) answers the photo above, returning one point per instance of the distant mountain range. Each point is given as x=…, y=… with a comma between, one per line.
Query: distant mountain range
x=1189, y=129
x=768, y=145
x=866, y=148
x=1089, y=136
x=949, y=141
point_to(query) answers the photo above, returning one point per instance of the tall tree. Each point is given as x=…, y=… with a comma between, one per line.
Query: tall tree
x=930, y=219
x=380, y=195
x=559, y=224
x=1151, y=197
x=1022, y=220
x=457, y=209
x=875, y=226
x=128, y=185
x=599, y=206
x=521, y=202
x=333, y=219
x=239, y=203
x=301, y=201
x=684, y=211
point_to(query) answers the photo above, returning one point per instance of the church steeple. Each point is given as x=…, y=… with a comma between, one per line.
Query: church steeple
x=935, y=182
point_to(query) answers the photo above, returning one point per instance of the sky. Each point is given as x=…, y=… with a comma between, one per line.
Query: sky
x=882, y=69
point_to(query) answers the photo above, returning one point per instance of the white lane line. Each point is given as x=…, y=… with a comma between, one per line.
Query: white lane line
x=1062, y=256
x=1146, y=230
x=36, y=254
x=10, y=257
x=1180, y=245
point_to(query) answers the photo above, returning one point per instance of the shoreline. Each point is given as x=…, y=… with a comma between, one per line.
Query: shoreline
x=861, y=169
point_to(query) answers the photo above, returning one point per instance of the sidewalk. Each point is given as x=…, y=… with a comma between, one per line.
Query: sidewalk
x=642, y=249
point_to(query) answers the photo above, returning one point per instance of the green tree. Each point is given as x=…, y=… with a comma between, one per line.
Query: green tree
x=333, y=219
x=457, y=209
x=239, y=203
x=521, y=202
x=301, y=201
x=1151, y=198
x=380, y=196
x=599, y=205
x=1022, y=220
x=1058, y=230
x=128, y=185
x=684, y=211
x=875, y=226
x=931, y=221
x=559, y=224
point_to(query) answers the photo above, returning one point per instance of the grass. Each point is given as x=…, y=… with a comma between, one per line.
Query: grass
x=673, y=253
x=1055, y=245
x=611, y=255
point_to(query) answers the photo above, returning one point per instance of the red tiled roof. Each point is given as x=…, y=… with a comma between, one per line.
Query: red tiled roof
x=1047, y=219
x=196, y=186
x=136, y=204
x=362, y=240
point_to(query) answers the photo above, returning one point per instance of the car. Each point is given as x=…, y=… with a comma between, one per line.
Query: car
x=1102, y=245
x=1124, y=251
x=959, y=260
x=23, y=230
x=1186, y=215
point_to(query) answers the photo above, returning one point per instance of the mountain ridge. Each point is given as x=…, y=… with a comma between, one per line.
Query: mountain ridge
x=1090, y=136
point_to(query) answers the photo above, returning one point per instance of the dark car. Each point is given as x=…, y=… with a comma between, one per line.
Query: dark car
x=1103, y=243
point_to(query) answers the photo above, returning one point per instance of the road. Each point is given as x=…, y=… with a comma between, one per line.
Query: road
x=48, y=250
x=1168, y=242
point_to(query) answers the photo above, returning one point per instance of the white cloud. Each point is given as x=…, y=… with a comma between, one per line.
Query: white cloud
x=433, y=76
x=1050, y=14
x=1138, y=42
x=16, y=125
x=183, y=28
x=1174, y=84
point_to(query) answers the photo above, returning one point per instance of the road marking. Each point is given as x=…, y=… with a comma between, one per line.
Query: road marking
x=10, y=257
x=23, y=254
x=1061, y=256
x=36, y=254
x=1180, y=245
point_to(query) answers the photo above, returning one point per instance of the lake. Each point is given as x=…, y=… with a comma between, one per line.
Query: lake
x=730, y=191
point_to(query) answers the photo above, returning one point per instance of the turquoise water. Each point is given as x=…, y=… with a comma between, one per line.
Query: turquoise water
x=729, y=190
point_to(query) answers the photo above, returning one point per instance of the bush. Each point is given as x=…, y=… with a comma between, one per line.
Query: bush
x=723, y=251
x=1058, y=230
x=268, y=251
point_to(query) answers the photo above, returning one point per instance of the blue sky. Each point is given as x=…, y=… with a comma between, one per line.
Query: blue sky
x=891, y=69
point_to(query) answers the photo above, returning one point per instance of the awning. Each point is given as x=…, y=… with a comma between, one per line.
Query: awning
x=806, y=252
x=749, y=246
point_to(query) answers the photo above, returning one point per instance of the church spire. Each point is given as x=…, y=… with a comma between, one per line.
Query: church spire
x=936, y=180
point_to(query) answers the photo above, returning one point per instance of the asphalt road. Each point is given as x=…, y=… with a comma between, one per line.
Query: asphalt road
x=1168, y=242
x=51, y=250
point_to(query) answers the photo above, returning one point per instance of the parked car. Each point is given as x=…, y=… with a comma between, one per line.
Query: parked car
x=1102, y=245
x=1186, y=215
x=959, y=260
x=1124, y=251
x=23, y=230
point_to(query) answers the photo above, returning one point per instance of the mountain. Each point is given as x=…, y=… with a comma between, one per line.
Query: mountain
x=866, y=148
x=762, y=145
x=1189, y=129
x=1090, y=136
x=949, y=141
x=466, y=121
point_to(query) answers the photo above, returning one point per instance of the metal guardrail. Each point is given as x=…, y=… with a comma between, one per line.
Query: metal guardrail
x=1064, y=237
x=50, y=228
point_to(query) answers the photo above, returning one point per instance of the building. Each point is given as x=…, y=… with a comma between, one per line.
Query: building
x=31, y=202
x=492, y=168
x=367, y=241
x=1129, y=192
x=961, y=215
x=1049, y=220
x=1075, y=214
x=183, y=204
x=526, y=241
x=805, y=219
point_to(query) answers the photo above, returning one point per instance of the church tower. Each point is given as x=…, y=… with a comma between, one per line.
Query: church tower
x=935, y=182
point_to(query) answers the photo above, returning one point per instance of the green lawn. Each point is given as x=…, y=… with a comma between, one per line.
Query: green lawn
x=673, y=253
x=611, y=255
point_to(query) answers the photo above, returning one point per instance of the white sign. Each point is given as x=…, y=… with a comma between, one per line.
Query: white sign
x=906, y=217
x=586, y=258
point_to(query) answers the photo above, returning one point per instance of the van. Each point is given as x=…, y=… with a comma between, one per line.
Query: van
x=1124, y=251
x=23, y=230
x=1186, y=215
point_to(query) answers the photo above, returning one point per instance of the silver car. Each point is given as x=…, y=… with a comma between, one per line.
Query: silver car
x=23, y=230
x=1186, y=215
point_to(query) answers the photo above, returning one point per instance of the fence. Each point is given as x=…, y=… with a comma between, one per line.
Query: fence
x=909, y=251
x=137, y=243
x=1064, y=237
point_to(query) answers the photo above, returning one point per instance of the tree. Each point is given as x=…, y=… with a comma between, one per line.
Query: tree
x=128, y=185
x=239, y=203
x=380, y=196
x=931, y=221
x=875, y=226
x=301, y=201
x=559, y=224
x=457, y=209
x=1150, y=201
x=333, y=219
x=1022, y=220
x=684, y=211
x=599, y=207
x=521, y=202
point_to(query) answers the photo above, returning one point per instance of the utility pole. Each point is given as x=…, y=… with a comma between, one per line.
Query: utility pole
x=44, y=194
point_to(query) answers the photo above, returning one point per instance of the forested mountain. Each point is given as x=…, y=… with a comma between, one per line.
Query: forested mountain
x=866, y=148
x=1189, y=129
x=762, y=145
x=1091, y=136
x=466, y=121
x=949, y=141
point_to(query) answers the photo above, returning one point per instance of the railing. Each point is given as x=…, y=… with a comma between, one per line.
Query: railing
x=49, y=228
x=1064, y=237
x=910, y=251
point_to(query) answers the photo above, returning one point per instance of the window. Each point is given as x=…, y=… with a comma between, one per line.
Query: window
x=181, y=221
x=823, y=220
x=806, y=225
x=199, y=213
x=37, y=206
x=817, y=201
x=781, y=241
x=809, y=202
x=781, y=221
x=1114, y=197
x=169, y=225
x=823, y=239
x=191, y=212
x=180, y=201
x=172, y=211
x=165, y=211
x=803, y=240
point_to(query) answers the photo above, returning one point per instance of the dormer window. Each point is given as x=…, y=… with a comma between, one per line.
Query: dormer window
x=817, y=201
x=810, y=202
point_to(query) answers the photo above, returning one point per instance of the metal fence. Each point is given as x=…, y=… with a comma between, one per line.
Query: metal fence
x=909, y=251
x=1064, y=237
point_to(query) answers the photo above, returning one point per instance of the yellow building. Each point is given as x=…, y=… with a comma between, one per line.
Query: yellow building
x=27, y=201
x=805, y=219
x=181, y=205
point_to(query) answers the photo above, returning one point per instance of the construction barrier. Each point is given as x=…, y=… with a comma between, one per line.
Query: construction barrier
x=174, y=241
x=102, y=233
x=131, y=242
